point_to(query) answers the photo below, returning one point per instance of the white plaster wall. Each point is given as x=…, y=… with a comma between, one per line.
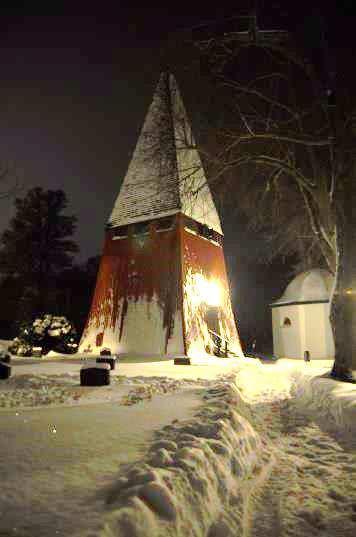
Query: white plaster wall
x=277, y=343
x=310, y=330
x=111, y=335
x=287, y=340
x=315, y=330
x=319, y=341
x=303, y=329
x=175, y=342
x=143, y=332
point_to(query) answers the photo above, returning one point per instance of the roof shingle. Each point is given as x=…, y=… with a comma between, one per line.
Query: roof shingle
x=165, y=175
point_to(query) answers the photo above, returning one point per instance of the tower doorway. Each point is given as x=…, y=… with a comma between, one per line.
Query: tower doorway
x=212, y=319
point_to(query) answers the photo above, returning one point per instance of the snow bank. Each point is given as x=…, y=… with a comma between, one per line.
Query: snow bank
x=333, y=401
x=201, y=477
x=192, y=472
x=259, y=382
x=312, y=391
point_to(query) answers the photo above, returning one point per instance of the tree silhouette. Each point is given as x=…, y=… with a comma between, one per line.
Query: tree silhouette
x=288, y=140
x=36, y=247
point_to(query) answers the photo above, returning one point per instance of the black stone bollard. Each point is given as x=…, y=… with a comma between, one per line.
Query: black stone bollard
x=5, y=358
x=306, y=356
x=5, y=371
x=111, y=360
x=95, y=375
x=182, y=361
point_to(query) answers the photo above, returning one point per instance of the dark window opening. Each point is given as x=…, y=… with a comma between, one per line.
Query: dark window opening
x=203, y=231
x=212, y=319
x=206, y=232
x=193, y=226
x=165, y=224
x=121, y=232
x=141, y=228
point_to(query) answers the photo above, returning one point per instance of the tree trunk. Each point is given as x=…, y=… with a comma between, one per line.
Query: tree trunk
x=343, y=308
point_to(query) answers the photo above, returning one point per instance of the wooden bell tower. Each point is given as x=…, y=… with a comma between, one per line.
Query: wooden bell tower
x=162, y=287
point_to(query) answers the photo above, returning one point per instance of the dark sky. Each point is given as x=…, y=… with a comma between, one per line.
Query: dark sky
x=74, y=93
x=75, y=89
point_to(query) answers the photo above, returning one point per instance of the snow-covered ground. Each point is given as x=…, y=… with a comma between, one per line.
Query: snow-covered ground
x=58, y=464
x=223, y=448
x=309, y=424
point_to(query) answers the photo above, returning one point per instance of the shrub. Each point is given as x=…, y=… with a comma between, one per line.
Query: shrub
x=49, y=332
x=19, y=347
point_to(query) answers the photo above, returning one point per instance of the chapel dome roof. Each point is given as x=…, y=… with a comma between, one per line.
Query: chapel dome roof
x=310, y=286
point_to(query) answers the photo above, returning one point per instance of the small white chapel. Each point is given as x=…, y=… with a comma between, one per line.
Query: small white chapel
x=300, y=317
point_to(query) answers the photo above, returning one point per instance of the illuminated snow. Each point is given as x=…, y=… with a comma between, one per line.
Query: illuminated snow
x=269, y=449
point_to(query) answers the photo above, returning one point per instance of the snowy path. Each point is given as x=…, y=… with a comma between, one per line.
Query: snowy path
x=312, y=487
x=308, y=483
x=50, y=481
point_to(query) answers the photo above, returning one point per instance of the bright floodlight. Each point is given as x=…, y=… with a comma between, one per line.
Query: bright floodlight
x=208, y=291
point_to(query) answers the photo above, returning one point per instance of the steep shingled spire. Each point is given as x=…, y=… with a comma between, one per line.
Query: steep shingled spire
x=165, y=175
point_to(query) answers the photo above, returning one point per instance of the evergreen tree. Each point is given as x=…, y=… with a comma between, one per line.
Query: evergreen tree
x=36, y=247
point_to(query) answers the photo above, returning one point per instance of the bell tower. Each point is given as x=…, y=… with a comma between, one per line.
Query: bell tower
x=162, y=287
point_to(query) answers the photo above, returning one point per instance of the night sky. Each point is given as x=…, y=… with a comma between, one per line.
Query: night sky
x=75, y=89
x=73, y=96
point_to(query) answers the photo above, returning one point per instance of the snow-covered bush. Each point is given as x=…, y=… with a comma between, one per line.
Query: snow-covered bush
x=49, y=332
x=20, y=347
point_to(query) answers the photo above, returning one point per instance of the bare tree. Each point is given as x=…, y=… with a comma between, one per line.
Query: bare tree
x=292, y=149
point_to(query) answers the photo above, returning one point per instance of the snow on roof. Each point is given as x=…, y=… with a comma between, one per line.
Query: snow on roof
x=310, y=286
x=165, y=175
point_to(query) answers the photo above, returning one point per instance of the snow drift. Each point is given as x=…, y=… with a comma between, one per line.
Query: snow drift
x=191, y=473
x=334, y=402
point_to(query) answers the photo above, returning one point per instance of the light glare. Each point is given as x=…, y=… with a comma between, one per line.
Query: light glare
x=208, y=291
